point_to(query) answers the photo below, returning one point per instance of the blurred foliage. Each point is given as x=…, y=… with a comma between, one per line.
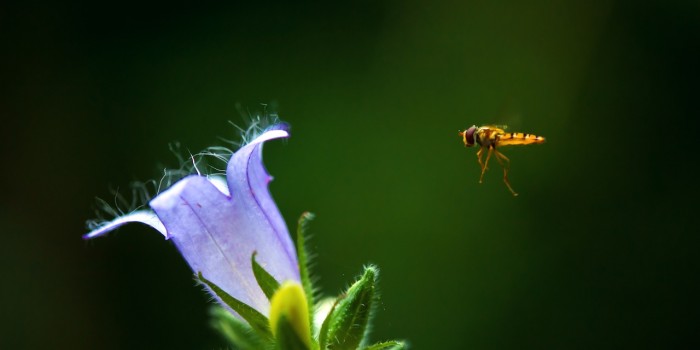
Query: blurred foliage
x=596, y=252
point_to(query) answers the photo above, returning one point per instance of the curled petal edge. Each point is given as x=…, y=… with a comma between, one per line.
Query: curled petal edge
x=147, y=217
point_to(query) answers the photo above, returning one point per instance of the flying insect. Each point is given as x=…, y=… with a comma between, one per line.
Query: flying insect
x=490, y=137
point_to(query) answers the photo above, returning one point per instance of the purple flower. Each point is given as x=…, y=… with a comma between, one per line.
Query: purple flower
x=217, y=224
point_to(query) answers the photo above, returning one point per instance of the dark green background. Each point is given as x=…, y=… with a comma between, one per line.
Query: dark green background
x=598, y=251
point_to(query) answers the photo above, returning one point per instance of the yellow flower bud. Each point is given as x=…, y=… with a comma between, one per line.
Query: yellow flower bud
x=290, y=301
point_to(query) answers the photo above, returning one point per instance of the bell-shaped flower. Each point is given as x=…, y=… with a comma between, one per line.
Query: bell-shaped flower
x=217, y=225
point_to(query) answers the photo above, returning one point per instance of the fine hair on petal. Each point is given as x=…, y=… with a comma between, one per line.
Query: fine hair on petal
x=257, y=122
x=210, y=162
x=120, y=205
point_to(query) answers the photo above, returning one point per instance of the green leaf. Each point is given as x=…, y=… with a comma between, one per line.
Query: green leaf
x=237, y=332
x=323, y=333
x=387, y=345
x=287, y=337
x=303, y=257
x=267, y=283
x=350, y=319
x=256, y=320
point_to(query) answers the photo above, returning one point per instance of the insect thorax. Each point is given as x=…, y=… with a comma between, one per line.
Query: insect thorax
x=484, y=138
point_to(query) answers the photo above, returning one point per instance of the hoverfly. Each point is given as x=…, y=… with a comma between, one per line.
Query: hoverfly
x=492, y=136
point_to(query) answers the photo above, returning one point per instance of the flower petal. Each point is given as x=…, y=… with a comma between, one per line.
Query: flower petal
x=248, y=182
x=143, y=216
x=217, y=234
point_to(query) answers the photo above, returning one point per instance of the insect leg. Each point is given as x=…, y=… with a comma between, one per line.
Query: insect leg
x=505, y=163
x=478, y=157
x=484, y=166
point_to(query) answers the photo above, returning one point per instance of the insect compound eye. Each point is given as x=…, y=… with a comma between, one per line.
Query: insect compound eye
x=469, y=136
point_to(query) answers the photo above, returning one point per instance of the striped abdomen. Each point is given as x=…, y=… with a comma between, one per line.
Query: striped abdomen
x=518, y=138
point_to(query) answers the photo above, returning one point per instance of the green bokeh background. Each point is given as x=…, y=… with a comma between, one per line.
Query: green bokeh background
x=598, y=251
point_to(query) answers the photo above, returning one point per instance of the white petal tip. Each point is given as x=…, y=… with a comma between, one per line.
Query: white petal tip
x=143, y=216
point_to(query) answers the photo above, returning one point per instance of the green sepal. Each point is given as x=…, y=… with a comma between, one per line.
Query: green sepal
x=287, y=338
x=387, y=345
x=323, y=333
x=257, y=321
x=234, y=330
x=303, y=257
x=349, y=321
x=267, y=283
